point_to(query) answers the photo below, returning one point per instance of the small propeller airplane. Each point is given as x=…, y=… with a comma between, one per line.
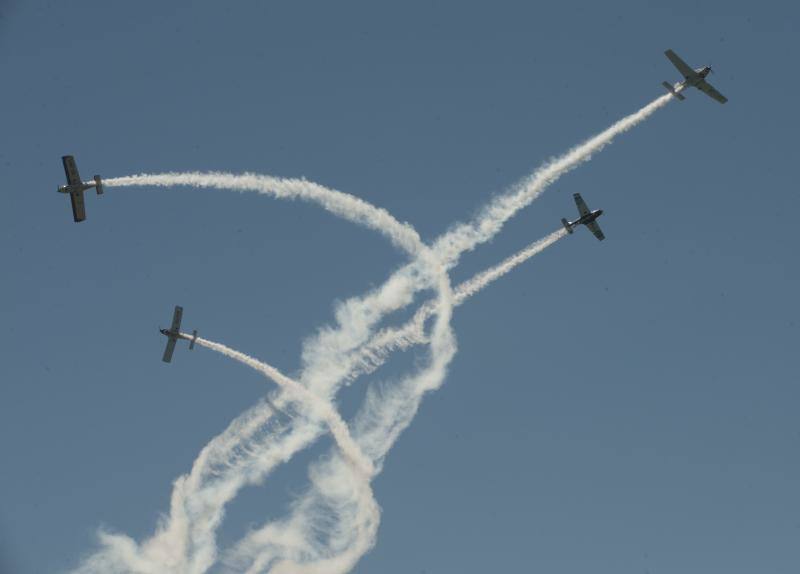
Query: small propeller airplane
x=174, y=333
x=587, y=218
x=75, y=187
x=695, y=78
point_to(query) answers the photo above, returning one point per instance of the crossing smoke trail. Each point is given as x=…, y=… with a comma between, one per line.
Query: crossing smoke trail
x=359, y=469
x=319, y=409
x=176, y=543
x=490, y=221
x=466, y=236
x=269, y=546
x=293, y=545
x=185, y=541
x=372, y=355
x=425, y=271
x=390, y=413
x=160, y=552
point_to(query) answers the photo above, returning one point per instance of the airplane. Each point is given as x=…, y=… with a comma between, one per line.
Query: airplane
x=174, y=333
x=587, y=218
x=75, y=187
x=696, y=78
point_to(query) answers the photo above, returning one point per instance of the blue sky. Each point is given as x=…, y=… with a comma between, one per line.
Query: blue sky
x=627, y=406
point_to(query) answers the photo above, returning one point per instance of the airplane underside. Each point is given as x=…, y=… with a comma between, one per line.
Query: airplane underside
x=694, y=77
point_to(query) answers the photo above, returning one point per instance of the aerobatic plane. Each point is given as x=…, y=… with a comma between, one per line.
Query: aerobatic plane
x=587, y=218
x=174, y=333
x=75, y=187
x=696, y=78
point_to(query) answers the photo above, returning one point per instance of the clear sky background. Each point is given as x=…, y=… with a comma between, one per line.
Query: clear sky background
x=619, y=407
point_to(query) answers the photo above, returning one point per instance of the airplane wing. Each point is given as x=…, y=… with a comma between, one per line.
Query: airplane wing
x=583, y=209
x=78, y=209
x=176, y=319
x=709, y=90
x=596, y=230
x=73, y=177
x=169, y=350
x=682, y=66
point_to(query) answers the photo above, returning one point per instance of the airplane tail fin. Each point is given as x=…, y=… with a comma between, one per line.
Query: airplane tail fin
x=98, y=185
x=566, y=225
x=194, y=339
x=671, y=90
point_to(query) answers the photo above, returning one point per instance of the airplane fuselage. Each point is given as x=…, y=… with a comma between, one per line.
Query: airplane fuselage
x=174, y=334
x=75, y=188
x=588, y=218
x=170, y=334
x=701, y=75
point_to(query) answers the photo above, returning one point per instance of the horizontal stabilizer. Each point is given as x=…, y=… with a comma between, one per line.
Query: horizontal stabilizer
x=98, y=184
x=566, y=225
x=194, y=339
x=672, y=91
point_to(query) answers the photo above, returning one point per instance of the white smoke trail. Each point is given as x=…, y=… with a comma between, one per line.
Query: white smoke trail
x=328, y=530
x=482, y=280
x=185, y=541
x=465, y=237
x=490, y=220
x=358, y=316
x=339, y=203
x=259, y=550
x=369, y=357
x=318, y=408
x=390, y=415
x=333, y=501
x=387, y=416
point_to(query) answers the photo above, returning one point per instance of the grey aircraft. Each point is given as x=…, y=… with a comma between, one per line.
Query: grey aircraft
x=696, y=78
x=174, y=333
x=75, y=187
x=587, y=218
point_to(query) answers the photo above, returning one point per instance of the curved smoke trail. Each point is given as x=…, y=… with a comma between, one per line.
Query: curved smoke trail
x=369, y=357
x=288, y=545
x=387, y=413
x=185, y=542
